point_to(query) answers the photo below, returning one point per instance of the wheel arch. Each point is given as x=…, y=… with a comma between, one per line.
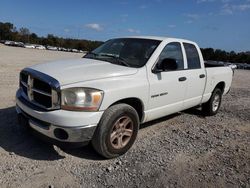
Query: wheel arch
x=221, y=86
x=136, y=103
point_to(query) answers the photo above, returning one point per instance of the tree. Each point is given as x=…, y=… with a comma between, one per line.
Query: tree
x=34, y=38
x=208, y=53
x=24, y=33
x=6, y=30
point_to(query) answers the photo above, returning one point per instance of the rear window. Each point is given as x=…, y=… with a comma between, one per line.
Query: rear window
x=193, y=59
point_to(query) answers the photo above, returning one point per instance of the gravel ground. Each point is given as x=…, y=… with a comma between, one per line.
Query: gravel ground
x=182, y=150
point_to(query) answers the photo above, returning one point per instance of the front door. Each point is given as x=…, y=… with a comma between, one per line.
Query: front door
x=168, y=88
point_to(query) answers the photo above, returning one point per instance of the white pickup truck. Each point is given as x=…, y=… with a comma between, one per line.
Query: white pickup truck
x=106, y=95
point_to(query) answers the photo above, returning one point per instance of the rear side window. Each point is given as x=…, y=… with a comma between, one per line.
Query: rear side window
x=173, y=51
x=193, y=59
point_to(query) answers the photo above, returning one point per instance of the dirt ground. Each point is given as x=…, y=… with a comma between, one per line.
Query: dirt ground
x=186, y=149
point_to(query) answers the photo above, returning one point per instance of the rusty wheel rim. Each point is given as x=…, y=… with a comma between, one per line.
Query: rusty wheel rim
x=122, y=132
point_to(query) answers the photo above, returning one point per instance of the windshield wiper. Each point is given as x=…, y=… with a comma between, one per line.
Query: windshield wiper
x=119, y=59
x=90, y=53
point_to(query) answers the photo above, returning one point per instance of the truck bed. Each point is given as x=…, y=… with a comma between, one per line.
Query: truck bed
x=213, y=64
x=214, y=76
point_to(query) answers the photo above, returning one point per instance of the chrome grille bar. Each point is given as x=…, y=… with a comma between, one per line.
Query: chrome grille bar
x=29, y=88
x=41, y=92
x=24, y=84
x=55, y=99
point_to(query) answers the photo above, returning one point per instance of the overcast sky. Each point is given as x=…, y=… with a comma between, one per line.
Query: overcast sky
x=221, y=24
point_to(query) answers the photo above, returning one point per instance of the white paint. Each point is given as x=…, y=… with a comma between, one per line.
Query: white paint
x=120, y=82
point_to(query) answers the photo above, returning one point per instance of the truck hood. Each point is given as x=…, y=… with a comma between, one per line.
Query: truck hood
x=80, y=70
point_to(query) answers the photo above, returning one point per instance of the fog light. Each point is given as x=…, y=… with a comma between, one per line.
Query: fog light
x=61, y=134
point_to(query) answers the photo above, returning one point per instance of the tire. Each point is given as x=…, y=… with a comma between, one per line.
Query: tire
x=212, y=107
x=116, y=131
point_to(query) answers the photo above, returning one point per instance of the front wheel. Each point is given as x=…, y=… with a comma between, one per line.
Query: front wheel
x=213, y=105
x=116, y=131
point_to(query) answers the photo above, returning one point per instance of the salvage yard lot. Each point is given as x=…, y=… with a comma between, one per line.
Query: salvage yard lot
x=182, y=150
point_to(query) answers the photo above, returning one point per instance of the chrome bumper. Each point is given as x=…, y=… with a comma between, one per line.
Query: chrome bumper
x=63, y=134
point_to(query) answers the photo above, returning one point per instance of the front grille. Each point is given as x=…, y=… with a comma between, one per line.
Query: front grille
x=41, y=85
x=42, y=99
x=40, y=92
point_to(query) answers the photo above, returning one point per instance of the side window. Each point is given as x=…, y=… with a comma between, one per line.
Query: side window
x=173, y=51
x=193, y=59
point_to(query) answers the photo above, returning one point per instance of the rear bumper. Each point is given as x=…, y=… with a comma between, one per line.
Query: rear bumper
x=59, y=126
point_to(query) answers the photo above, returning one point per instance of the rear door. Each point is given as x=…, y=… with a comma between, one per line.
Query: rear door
x=196, y=76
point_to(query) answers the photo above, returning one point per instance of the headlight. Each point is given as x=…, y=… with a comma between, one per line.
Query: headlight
x=81, y=99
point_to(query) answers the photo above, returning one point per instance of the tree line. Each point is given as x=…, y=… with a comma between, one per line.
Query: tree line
x=221, y=55
x=9, y=32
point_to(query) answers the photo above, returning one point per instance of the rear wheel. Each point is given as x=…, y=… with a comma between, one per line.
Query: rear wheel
x=116, y=131
x=213, y=105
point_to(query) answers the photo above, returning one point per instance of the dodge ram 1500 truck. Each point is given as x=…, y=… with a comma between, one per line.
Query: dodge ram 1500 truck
x=106, y=95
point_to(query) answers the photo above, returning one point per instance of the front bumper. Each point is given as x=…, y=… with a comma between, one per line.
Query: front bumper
x=59, y=125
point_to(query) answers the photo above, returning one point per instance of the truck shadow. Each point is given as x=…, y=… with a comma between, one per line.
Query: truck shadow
x=14, y=139
x=195, y=111
x=89, y=152
x=160, y=120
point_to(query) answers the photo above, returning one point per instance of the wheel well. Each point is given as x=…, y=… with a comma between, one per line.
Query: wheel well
x=221, y=86
x=135, y=103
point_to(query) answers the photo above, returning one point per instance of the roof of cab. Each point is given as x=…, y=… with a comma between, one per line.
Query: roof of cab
x=159, y=38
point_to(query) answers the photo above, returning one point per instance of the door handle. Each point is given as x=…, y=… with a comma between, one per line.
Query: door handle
x=181, y=79
x=202, y=75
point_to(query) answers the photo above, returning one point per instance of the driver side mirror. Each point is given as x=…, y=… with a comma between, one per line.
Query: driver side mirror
x=167, y=64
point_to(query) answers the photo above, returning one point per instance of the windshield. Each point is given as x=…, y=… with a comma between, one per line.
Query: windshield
x=131, y=52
